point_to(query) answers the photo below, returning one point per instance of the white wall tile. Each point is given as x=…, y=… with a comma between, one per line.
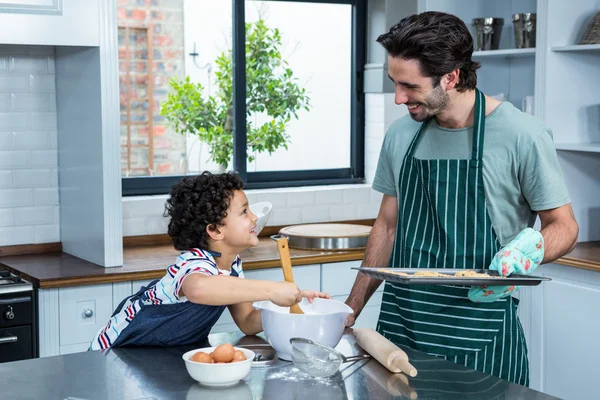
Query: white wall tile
x=15, y=159
x=360, y=195
x=28, y=64
x=5, y=102
x=7, y=217
x=47, y=233
x=34, y=215
x=6, y=180
x=15, y=121
x=368, y=211
x=296, y=199
x=31, y=140
x=315, y=214
x=376, y=197
x=151, y=207
x=41, y=83
x=17, y=235
x=345, y=212
x=44, y=159
x=9, y=84
x=30, y=178
x=16, y=198
x=286, y=216
x=156, y=225
x=329, y=197
x=134, y=227
x=32, y=102
x=28, y=146
x=45, y=196
x=279, y=200
x=6, y=140
x=43, y=121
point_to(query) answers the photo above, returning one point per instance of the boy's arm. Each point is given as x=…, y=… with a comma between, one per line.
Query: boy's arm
x=225, y=290
x=247, y=318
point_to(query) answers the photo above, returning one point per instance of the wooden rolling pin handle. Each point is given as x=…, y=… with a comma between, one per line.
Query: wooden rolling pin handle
x=404, y=366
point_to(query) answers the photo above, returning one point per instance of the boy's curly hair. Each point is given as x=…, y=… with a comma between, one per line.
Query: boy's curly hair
x=197, y=202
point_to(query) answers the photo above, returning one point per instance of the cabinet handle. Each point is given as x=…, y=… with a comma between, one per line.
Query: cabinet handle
x=8, y=339
x=88, y=313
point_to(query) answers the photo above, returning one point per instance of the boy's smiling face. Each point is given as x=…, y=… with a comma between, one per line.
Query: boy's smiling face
x=239, y=227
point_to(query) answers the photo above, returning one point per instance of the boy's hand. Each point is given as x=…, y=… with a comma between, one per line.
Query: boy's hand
x=311, y=294
x=285, y=294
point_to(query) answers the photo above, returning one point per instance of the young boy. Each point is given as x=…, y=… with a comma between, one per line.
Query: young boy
x=211, y=224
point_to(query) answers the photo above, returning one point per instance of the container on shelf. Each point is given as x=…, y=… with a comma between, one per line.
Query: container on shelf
x=487, y=33
x=524, y=24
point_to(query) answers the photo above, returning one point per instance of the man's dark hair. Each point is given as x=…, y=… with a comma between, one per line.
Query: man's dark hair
x=197, y=202
x=441, y=42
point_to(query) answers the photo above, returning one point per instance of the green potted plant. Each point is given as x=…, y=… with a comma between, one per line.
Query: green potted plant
x=273, y=98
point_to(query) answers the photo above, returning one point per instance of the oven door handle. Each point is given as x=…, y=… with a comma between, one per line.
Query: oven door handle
x=8, y=339
x=15, y=300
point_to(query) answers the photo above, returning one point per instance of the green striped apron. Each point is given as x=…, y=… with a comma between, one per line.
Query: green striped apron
x=443, y=222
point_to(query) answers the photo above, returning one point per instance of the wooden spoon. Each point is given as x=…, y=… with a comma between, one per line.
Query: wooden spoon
x=286, y=263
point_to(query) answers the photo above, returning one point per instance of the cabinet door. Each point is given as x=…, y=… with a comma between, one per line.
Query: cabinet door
x=83, y=311
x=338, y=278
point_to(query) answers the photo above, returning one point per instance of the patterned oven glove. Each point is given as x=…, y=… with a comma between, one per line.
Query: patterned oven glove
x=522, y=255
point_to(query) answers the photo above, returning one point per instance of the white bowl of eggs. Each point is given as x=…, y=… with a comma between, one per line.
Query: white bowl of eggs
x=221, y=366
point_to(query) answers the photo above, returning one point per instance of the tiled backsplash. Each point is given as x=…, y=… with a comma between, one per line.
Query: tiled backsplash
x=28, y=146
x=143, y=215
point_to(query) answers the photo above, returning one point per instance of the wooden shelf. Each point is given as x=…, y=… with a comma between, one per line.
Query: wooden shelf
x=578, y=47
x=593, y=147
x=505, y=53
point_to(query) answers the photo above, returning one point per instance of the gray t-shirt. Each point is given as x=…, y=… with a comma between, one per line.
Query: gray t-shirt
x=521, y=173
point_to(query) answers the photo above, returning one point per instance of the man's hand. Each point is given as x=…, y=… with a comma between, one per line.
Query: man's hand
x=522, y=255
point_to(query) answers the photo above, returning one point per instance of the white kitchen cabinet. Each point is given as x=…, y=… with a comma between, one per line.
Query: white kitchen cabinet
x=561, y=323
x=51, y=22
x=83, y=310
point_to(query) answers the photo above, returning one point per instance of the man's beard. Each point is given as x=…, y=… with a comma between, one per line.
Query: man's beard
x=433, y=105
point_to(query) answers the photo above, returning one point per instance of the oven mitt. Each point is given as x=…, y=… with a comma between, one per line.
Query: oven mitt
x=522, y=255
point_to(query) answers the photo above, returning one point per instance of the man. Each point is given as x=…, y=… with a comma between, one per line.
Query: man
x=453, y=200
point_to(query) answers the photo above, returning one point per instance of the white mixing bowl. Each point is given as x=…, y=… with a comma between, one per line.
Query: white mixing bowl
x=323, y=321
x=263, y=211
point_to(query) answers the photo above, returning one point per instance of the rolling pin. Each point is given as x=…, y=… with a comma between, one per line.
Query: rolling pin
x=384, y=351
x=286, y=263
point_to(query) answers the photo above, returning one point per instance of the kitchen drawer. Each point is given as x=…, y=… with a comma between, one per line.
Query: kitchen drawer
x=83, y=311
x=16, y=343
x=338, y=278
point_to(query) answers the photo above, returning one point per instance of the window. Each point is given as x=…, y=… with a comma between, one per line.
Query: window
x=298, y=79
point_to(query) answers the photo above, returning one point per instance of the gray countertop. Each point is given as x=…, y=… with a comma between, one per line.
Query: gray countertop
x=159, y=373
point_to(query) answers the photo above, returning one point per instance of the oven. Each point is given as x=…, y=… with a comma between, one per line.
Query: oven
x=18, y=318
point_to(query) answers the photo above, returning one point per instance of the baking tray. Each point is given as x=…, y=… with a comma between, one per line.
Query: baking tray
x=514, y=279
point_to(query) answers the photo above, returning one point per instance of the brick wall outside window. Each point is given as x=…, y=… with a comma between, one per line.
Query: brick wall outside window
x=166, y=19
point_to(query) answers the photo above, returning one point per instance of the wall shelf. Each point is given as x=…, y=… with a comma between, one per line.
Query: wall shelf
x=505, y=53
x=593, y=147
x=578, y=47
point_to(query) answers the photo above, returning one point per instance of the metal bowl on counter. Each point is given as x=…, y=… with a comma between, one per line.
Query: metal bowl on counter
x=326, y=236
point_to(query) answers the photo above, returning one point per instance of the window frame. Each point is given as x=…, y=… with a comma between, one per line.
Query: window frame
x=153, y=185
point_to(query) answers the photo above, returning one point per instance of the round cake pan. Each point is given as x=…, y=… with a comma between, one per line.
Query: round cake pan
x=327, y=236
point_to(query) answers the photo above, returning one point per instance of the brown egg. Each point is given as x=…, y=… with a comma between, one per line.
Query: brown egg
x=238, y=356
x=201, y=357
x=223, y=353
